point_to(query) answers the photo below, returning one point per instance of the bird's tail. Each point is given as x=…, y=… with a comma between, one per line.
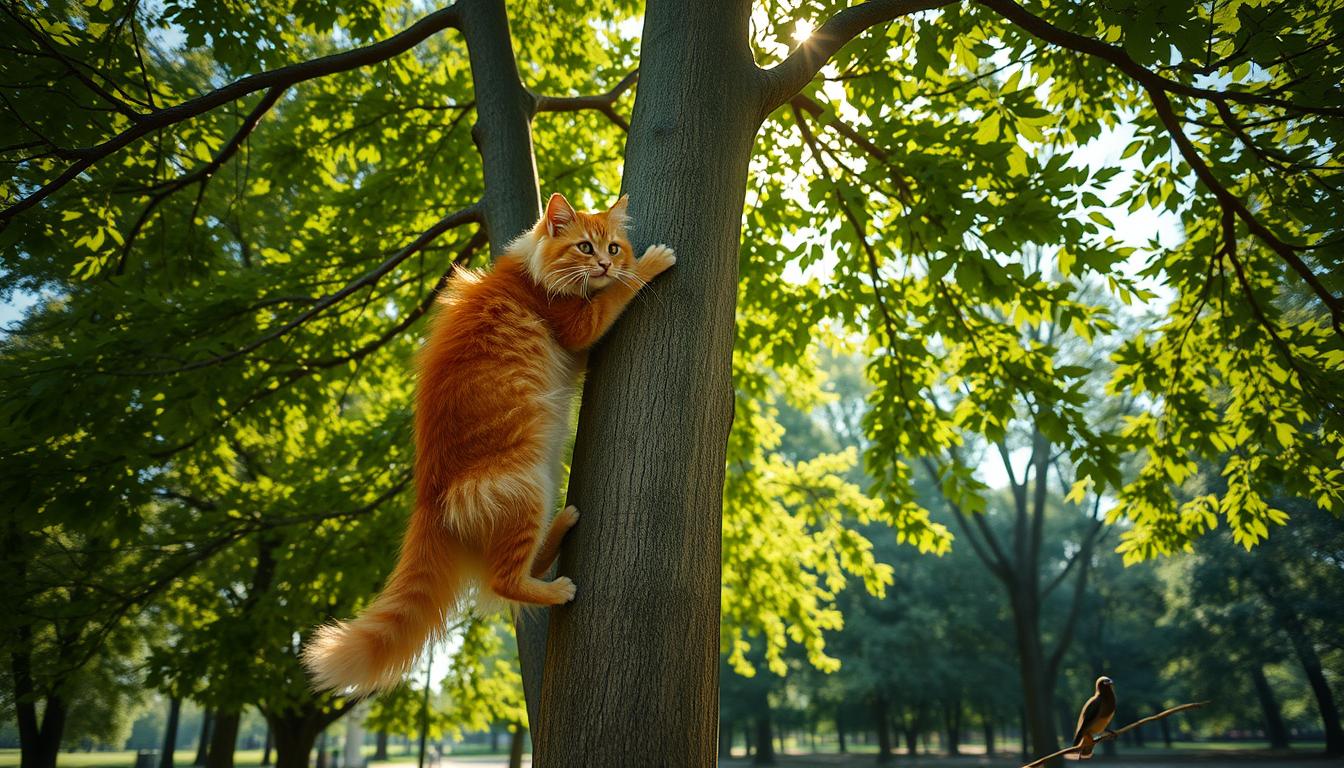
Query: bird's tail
x=1086, y=752
x=373, y=652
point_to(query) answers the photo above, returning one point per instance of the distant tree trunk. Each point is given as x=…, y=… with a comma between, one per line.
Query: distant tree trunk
x=765, y=743
x=746, y=735
x=266, y=751
x=516, y=740
x=494, y=739
x=296, y=729
x=882, y=725
x=1320, y=687
x=1166, y=732
x=170, y=733
x=380, y=746
x=952, y=719
x=1269, y=705
x=725, y=739
x=322, y=750
x=989, y=736
x=222, y=739
x=840, y=729
x=203, y=742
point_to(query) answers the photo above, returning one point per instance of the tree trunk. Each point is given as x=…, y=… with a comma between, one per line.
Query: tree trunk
x=380, y=748
x=266, y=751
x=1320, y=687
x=725, y=739
x=170, y=733
x=321, y=761
x=293, y=745
x=1274, y=727
x=223, y=737
x=989, y=736
x=1165, y=724
x=203, y=741
x=765, y=744
x=883, y=726
x=516, y=747
x=40, y=745
x=840, y=729
x=952, y=723
x=640, y=644
x=1037, y=690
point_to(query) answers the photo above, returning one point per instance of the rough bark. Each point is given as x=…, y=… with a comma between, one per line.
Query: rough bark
x=640, y=644
x=1274, y=727
x=223, y=737
x=170, y=733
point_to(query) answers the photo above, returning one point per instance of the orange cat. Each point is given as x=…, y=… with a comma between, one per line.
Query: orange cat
x=497, y=380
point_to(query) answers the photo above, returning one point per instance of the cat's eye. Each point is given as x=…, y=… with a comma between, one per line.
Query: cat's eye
x=613, y=249
x=586, y=247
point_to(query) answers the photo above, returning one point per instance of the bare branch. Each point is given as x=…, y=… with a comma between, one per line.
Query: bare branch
x=602, y=102
x=282, y=77
x=1112, y=735
x=782, y=81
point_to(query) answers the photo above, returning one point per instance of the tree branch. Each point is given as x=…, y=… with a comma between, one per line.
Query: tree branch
x=1112, y=735
x=602, y=102
x=164, y=190
x=471, y=213
x=1231, y=202
x=1121, y=59
x=782, y=81
x=282, y=77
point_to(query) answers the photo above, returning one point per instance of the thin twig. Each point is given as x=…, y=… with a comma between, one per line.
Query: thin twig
x=1112, y=735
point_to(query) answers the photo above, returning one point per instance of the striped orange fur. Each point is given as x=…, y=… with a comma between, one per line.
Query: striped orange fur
x=497, y=377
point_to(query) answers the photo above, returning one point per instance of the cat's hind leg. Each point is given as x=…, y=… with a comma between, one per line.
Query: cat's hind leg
x=550, y=546
x=511, y=553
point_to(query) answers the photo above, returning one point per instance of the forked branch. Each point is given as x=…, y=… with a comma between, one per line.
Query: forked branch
x=1112, y=735
x=602, y=102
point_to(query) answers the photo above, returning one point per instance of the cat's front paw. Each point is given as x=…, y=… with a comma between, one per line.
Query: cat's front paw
x=657, y=259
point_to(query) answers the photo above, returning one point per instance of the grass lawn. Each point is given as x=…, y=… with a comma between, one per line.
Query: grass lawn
x=1180, y=755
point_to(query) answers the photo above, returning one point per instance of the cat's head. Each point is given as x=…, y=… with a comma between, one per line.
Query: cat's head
x=580, y=252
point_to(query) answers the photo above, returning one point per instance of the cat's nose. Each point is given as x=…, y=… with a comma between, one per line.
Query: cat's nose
x=605, y=264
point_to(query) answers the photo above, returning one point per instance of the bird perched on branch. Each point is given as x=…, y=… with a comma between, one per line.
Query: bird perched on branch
x=1094, y=718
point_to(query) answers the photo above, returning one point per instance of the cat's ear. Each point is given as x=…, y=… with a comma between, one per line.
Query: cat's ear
x=618, y=212
x=559, y=214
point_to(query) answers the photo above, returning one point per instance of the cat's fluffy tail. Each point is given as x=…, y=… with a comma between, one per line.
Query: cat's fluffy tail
x=373, y=652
